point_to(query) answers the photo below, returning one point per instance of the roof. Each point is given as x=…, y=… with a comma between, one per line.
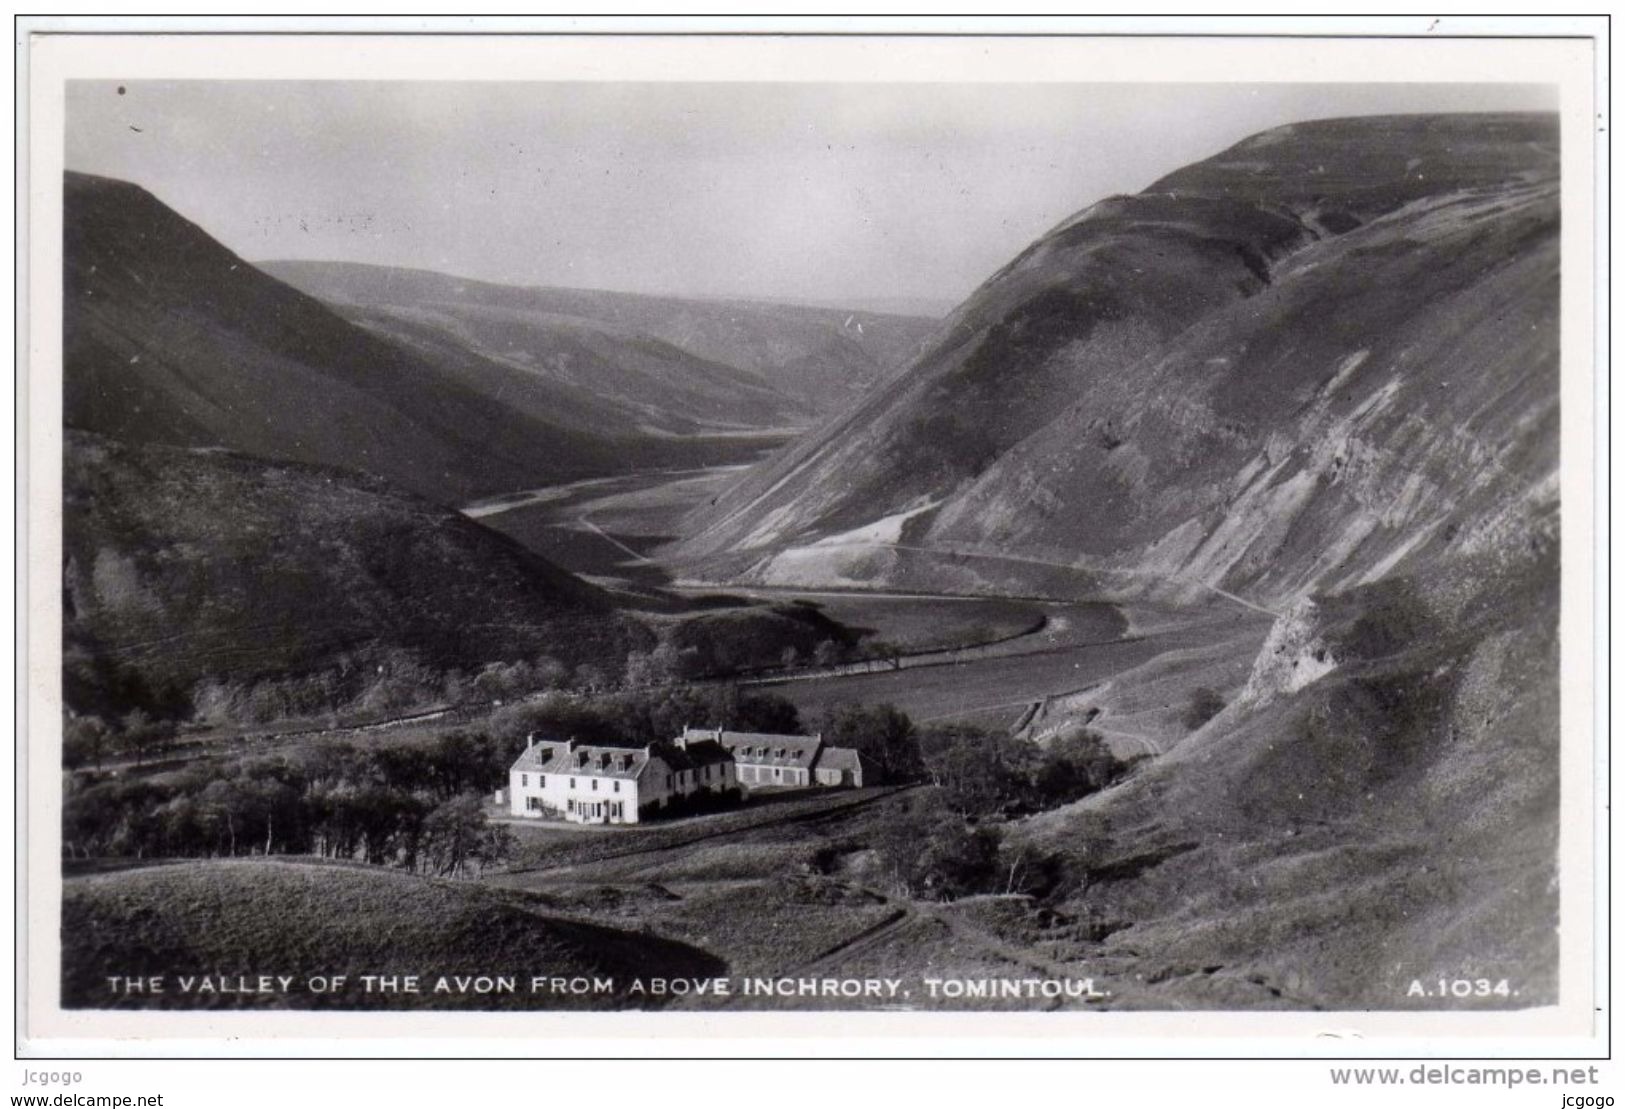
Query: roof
x=839, y=758
x=600, y=760
x=701, y=752
x=589, y=760
x=760, y=748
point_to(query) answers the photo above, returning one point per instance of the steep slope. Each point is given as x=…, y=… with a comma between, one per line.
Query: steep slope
x=1333, y=328
x=170, y=338
x=645, y=386
x=252, y=917
x=1379, y=806
x=1318, y=375
x=766, y=364
x=1392, y=398
x=185, y=566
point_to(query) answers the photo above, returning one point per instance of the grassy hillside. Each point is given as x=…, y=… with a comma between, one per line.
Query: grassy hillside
x=170, y=338
x=186, y=565
x=745, y=361
x=243, y=917
x=1317, y=376
x=1326, y=842
x=1273, y=368
x=645, y=386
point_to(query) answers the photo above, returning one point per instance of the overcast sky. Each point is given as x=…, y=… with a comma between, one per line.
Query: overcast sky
x=856, y=194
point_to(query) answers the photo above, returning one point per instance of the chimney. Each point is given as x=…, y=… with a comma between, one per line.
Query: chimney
x=530, y=741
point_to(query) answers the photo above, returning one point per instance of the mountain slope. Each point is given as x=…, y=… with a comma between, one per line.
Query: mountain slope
x=170, y=338
x=1165, y=385
x=1316, y=374
x=751, y=361
x=183, y=566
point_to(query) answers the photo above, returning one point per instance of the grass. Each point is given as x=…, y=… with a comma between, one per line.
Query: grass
x=772, y=927
x=251, y=917
x=541, y=848
x=746, y=893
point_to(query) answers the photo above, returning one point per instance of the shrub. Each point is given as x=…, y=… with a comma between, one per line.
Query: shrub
x=956, y=860
x=1203, y=705
x=1076, y=764
x=931, y=852
x=983, y=772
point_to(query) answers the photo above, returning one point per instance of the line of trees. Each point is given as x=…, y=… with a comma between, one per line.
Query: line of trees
x=420, y=807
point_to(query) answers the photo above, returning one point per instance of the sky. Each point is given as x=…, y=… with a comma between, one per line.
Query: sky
x=865, y=195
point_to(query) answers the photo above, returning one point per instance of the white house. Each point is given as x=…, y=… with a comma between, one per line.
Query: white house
x=602, y=784
x=767, y=761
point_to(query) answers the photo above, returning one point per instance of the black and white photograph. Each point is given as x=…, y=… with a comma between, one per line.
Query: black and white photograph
x=713, y=546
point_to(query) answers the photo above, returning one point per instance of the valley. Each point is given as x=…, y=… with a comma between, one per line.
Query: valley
x=1187, y=596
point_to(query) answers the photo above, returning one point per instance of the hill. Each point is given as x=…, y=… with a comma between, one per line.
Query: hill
x=1317, y=375
x=1273, y=370
x=751, y=362
x=169, y=337
x=1379, y=805
x=239, y=917
x=184, y=566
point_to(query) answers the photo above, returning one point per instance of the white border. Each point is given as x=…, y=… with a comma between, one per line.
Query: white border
x=1567, y=1030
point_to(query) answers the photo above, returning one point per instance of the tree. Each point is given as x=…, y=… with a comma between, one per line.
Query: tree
x=1076, y=764
x=667, y=662
x=883, y=733
x=765, y=712
x=218, y=811
x=982, y=772
x=85, y=740
x=550, y=673
x=454, y=835
x=933, y=853
x=140, y=735
x=500, y=681
x=957, y=860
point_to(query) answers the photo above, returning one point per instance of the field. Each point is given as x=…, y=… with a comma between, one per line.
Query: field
x=998, y=685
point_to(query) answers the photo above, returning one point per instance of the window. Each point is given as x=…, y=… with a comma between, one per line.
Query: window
x=617, y=787
x=541, y=781
x=534, y=804
x=595, y=784
x=524, y=779
x=572, y=783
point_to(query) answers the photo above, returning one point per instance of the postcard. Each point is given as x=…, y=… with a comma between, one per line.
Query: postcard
x=1066, y=538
